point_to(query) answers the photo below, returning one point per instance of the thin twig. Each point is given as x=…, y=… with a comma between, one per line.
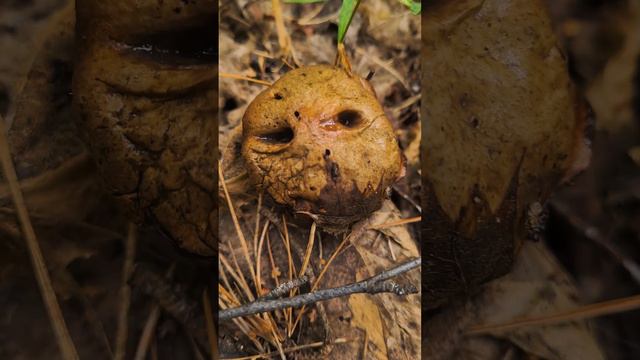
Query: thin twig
x=366, y=343
x=405, y=104
x=251, y=326
x=287, y=244
x=67, y=280
x=407, y=197
x=242, y=77
x=395, y=223
x=283, y=36
x=150, y=325
x=194, y=348
x=275, y=271
x=303, y=20
x=342, y=58
x=385, y=65
x=183, y=309
x=284, y=288
x=38, y=43
x=65, y=343
x=583, y=312
x=320, y=258
x=259, y=258
x=211, y=327
x=65, y=172
x=236, y=224
x=357, y=230
x=125, y=294
x=262, y=53
x=307, y=254
x=239, y=279
x=147, y=332
x=290, y=350
x=284, y=39
x=256, y=231
x=267, y=317
x=309, y=21
x=154, y=350
x=594, y=234
x=393, y=255
x=226, y=297
x=372, y=285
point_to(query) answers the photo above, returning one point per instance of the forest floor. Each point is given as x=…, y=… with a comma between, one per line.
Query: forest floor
x=594, y=227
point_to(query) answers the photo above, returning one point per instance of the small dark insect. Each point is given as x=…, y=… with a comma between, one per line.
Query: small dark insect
x=537, y=216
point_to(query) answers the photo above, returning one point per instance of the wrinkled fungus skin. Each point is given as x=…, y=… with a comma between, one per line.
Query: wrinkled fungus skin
x=144, y=92
x=319, y=141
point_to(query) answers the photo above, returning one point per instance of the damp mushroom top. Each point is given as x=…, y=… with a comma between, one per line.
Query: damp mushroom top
x=144, y=93
x=319, y=141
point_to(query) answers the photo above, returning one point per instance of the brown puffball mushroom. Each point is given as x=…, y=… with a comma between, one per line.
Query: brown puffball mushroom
x=504, y=128
x=319, y=141
x=144, y=93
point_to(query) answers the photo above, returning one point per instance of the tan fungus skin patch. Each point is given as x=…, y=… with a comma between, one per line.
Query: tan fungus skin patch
x=319, y=141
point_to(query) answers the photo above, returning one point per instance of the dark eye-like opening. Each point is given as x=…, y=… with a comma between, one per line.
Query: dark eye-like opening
x=191, y=46
x=279, y=136
x=349, y=118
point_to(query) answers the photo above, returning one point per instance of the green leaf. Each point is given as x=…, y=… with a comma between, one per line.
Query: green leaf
x=414, y=6
x=347, y=9
x=303, y=1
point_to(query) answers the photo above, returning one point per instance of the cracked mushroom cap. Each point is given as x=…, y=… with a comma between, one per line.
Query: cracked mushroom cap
x=144, y=91
x=319, y=141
